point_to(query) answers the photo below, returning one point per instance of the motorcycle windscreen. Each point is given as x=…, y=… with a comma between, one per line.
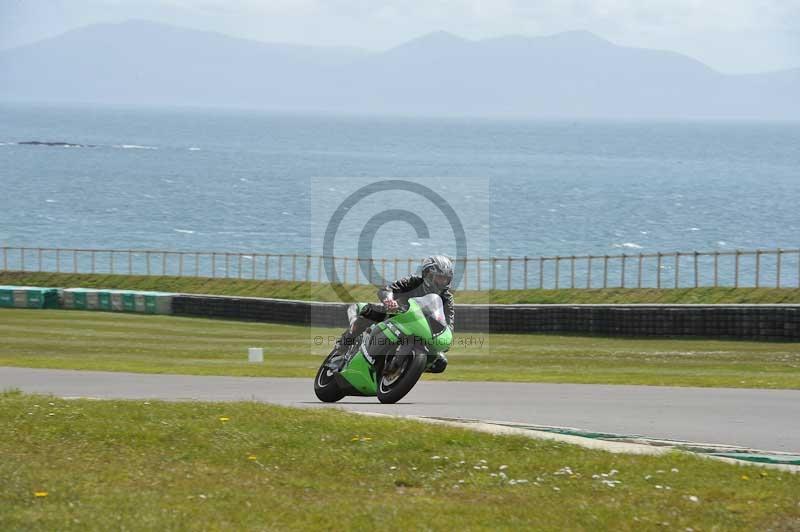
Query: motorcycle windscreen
x=433, y=310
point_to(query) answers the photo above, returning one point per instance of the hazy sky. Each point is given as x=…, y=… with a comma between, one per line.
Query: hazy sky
x=729, y=35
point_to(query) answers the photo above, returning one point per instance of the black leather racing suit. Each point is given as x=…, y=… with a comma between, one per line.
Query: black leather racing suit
x=404, y=289
x=401, y=291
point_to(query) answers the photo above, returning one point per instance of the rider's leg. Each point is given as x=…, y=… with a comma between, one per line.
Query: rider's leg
x=359, y=325
x=366, y=317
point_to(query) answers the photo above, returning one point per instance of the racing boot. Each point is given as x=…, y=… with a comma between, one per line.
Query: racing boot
x=438, y=365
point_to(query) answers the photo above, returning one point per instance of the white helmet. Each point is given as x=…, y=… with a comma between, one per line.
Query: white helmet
x=437, y=273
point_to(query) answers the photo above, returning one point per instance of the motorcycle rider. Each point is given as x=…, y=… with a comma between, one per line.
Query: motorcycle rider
x=436, y=276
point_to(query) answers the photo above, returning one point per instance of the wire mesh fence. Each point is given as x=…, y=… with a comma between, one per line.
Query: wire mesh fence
x=739, y=268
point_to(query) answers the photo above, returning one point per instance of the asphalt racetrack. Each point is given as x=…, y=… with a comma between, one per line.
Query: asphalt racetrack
x=768, y=420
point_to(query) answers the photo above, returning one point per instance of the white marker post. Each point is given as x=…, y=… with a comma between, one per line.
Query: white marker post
x=255, y=354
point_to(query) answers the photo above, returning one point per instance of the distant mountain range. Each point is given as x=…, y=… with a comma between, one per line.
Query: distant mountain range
x=572, y=74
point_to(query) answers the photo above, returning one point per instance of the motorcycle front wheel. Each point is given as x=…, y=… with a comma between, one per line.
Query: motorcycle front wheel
x=400, y=373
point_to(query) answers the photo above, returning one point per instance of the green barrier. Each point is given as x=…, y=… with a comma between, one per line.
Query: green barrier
x=104, y=300
x=28, y=297
x=138, y=301
x=92, y=300
x=150, y=304
x=157, y=303
x=86, y=299
x=34, y=299
x=74, y=298
x=118, y=300
x=129, y=302
x=6, y=296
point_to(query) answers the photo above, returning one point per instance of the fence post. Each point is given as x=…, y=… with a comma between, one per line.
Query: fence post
x=478, y=270
x=39, y=259
x=164, y=263
x=572, y=272
x=308, y=268
x=778, y=269
x=147, y=257
x=508, y=283
x=798, y=269
x=658, y=271
x=344, y=277
x=677, y=268
x=396, y=260
x=5, y=258
x=525, y=272
x=94, y=258
x=294, y=267
x=58, y=260
x=589, y=271
x=130, y=262
x=110, y=260
x=266, y=266
x=716, y=269
x=280, y=266
x=180, y=264
x=463, y=273
x=558, y=271
x=239, y=260
x=196, y=264
x=494, y=272
x=383, y=269
x=622, y=274
x=409, y=266
x=639, y=271
x=319, y=269
x=736, y=270
x=758, y=268
x=370, y=267
x=541, y=272
x=253, y=265
x=696, y=276
x=605, y=271
x=22, y=259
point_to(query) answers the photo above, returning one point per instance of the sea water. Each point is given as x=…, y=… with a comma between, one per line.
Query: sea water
x=250, y=181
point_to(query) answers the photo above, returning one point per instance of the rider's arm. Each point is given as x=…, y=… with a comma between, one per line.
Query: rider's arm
x=449, y=309
x=406, y=284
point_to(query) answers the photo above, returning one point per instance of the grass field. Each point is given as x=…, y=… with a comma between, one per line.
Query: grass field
x=102, y=465
x=168, y=344
x=324, y=292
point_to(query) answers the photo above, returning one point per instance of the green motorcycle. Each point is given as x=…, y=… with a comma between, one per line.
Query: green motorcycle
x=388, y=359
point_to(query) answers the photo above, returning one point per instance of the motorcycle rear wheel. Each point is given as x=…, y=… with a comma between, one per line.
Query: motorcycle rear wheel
x=325, y=386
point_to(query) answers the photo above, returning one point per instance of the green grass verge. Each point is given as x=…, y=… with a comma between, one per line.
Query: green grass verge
x=324, y=292
x=117, y=465
x=168, y=344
